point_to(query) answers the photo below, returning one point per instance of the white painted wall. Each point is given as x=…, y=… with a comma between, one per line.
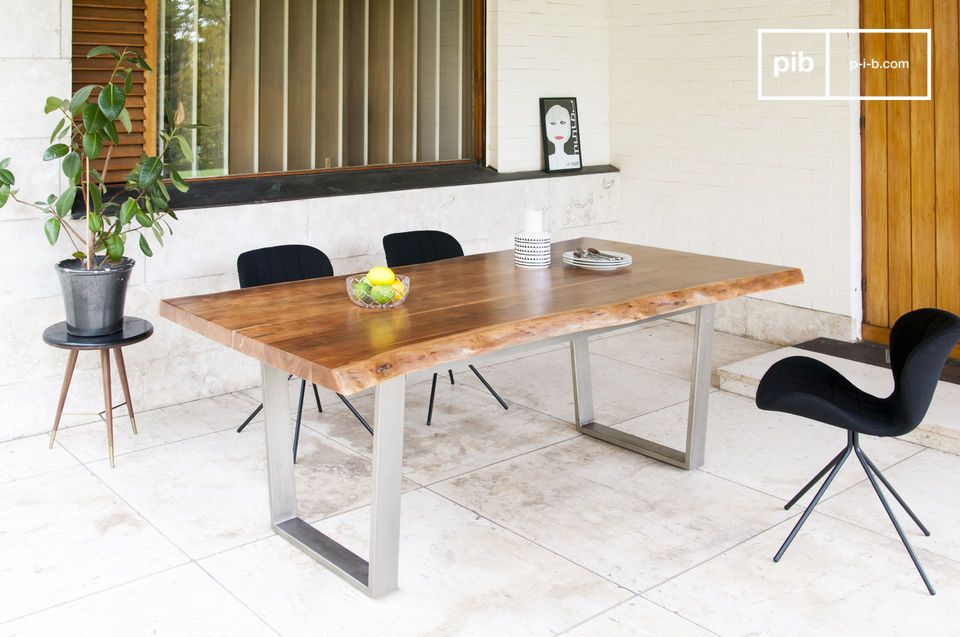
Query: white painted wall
x=708, y=168
x=546, y=48
x=175, y=365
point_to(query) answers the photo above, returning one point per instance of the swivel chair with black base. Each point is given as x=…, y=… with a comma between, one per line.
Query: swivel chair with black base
x=283, y=264
x=426, y=246
x=920, y=343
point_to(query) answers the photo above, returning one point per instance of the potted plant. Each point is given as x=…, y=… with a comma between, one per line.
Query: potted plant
x=94, y=279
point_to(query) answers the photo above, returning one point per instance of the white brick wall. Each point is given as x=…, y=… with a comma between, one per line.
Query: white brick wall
x=708, y=168
x=546, y=48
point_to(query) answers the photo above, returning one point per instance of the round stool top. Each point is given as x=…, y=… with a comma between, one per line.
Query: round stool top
x=134, y=330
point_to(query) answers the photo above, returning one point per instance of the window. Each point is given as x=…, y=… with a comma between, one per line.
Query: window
x=293, y=85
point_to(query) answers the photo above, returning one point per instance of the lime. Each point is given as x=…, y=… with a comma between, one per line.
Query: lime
x=361, y=289
x=381, y=276
x=382, y=294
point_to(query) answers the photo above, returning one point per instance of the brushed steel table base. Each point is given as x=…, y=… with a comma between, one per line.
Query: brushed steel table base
x=689, y=458
x=377, y=575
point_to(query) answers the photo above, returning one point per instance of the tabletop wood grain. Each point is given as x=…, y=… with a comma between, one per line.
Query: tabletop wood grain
x=458, y=308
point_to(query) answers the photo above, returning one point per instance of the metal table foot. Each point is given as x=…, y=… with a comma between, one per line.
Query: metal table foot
x=377, y=575
x=689, y=458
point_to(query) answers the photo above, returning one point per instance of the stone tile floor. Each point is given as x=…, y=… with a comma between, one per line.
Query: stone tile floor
x=513, y=524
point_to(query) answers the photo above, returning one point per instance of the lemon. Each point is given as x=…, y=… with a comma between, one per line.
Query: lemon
x=381, y=275
x=399, y=290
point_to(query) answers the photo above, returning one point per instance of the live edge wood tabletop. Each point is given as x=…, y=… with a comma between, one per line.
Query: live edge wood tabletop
x=459, y=308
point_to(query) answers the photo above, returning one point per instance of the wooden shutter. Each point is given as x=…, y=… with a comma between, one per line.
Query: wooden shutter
x=119, y=23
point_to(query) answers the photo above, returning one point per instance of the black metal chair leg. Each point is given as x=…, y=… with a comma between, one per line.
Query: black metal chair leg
x=489, y=388
x=449, y=371
x=356, y=414
x=893, y=518
x=815, y=480
x=433, y=392
x=250, y=417
x=316, y=395
x=296, y=432
x=894, y=492
x=814, y=502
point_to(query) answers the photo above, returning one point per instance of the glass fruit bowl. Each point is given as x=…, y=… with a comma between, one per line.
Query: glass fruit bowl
x=377, y=297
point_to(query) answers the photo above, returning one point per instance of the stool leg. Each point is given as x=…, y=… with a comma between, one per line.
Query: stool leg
x=118, y=354
x=67, y=377
x=107, y=399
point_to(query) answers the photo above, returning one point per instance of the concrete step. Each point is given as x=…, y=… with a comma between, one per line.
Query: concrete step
x=940, y=428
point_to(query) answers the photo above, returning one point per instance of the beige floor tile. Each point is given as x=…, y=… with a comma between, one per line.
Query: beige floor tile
x=543, y=382
x=27, y=457
x=836, y=579
x=929, y=482
x=459, y=575
x=470, y=430
x=182, y=602
x=157, y=427
x=64, y=535
x=638, y=617
x=208, y=494
x=624, y=516
x=768, y=451
x=668, y=348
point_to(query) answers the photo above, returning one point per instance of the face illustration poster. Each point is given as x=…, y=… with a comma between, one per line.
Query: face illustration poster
x=561, y=133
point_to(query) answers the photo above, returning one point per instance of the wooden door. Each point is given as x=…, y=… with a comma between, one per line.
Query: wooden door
x=911, y=164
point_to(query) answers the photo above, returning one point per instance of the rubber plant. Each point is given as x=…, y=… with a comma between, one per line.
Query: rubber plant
x=87, y=129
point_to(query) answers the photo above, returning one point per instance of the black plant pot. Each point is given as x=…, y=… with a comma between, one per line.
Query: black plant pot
x=94, y=299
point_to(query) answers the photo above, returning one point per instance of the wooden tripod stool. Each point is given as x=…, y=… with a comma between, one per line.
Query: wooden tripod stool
x=134, y=330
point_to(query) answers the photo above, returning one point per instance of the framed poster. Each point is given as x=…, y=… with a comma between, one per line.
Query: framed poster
x=559, y=123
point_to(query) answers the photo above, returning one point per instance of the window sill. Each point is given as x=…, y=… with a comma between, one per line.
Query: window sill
x=274, y=188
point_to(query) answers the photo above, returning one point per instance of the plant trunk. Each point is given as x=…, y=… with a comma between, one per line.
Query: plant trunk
x=86, y=205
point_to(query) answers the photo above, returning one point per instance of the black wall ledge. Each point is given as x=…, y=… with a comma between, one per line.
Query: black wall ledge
x=273, y=188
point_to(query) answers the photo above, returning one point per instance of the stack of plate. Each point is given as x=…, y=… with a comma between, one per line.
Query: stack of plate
x=596, y=262
x=531, y=250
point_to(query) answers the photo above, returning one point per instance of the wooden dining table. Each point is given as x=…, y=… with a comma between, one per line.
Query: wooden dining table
x=467, y=308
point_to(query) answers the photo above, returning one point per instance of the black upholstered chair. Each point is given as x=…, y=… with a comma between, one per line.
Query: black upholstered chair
x=283, y=264
x=425, y=246
x=920, y=343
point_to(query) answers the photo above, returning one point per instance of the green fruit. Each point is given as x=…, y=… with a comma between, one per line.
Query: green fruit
x=382, y=294
x=361, y=289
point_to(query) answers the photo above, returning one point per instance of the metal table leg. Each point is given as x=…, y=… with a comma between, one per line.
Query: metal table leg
x=378, y=576
x=691, y=457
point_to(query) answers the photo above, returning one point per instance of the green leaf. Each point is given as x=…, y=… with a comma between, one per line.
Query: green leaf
x=6, y=177
x=64, y=203
x=158, y=233
x=71, y=165
x=128, y=82
x=124, y=118
x=145, y=247
x=173, y=215
x=80, y=98
x=55, y=152
x=110, y=132
x=147, y=171
x=141, y=61
x=5, y=162
x=178, y=181
x=114, y=247
x=184, y=147
x=94, y=222
x=51, y=228
x=57, y=129
x=53, y=104
x=143, y=218
x=128, y=210
x=101, y=50
x=96, y=198
x=93, y=119
x=111, y=101
x=4, y=194
x=92, y=145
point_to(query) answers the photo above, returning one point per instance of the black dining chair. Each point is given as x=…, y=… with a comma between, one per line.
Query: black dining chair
x=283, y=264
x=920, y=343
x=426, y=246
